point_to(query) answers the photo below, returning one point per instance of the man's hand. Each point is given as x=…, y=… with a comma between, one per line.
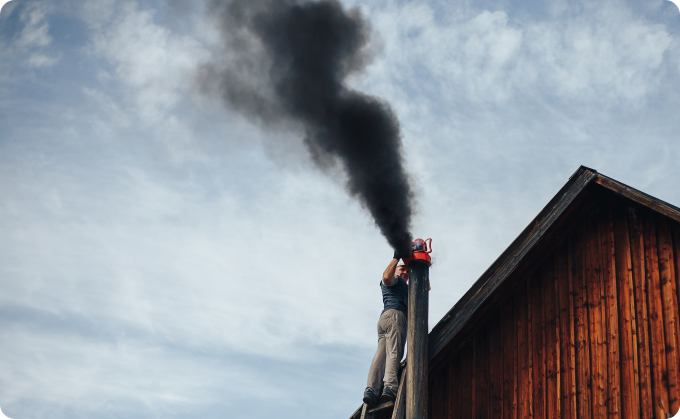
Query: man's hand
x=396, y=256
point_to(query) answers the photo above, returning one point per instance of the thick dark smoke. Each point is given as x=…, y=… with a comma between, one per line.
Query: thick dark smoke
x=288, y=61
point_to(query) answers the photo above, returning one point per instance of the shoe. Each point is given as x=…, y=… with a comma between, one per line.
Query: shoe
x=370, y=398
x=387, y=395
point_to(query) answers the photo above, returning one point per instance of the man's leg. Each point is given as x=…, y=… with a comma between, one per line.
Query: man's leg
x=377, y=370
x=395, y=337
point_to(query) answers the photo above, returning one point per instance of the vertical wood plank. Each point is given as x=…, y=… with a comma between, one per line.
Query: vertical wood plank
x=515, y=362
x=519, y=303
x=676, y=254
x=538, y=345
x=675, y=230
x=508, y=337
x=454, y=388
x=566, y=328
x=630, y=392
x=598, y=351
x=655, y=303
x=495, y=368
x=481, y=375
x=466, y=382
x=576, y=254
x=552, y=339
x=453, y=409
x=399, y=410
x=611, y=310
x=642, y=314
x=438, y=394
x=670, y=311
x=430, y=398
x=524, y=385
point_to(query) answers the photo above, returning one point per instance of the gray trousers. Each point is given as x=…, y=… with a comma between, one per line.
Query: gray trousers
x=391, y=339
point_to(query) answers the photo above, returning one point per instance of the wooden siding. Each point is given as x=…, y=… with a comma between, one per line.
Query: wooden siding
x=592, y=332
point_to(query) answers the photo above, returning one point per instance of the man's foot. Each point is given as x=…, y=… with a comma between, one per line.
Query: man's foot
x=370, y=398
x=387, y=395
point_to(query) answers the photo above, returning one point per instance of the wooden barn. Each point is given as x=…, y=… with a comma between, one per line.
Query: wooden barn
x=578, y=318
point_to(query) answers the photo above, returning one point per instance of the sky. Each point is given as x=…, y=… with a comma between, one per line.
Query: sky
x=163, y=256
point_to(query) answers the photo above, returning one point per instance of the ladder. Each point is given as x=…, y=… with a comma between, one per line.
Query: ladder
x=398, y=406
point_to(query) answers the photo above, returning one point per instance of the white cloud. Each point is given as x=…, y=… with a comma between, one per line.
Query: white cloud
x=107, y=369
x=154, y=64
x=40, y=60
x=36, y=29
x=606, y=56
x=116, y=118
x=35, y=38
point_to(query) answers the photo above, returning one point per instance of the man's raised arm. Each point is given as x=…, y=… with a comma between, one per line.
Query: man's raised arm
x=388, y=275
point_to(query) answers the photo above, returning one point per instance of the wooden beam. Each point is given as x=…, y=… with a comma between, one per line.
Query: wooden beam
x=417, y=361
x=357, y=413
x=642, y=198
x=381, y=407
x=365, y=414
x=399, y=411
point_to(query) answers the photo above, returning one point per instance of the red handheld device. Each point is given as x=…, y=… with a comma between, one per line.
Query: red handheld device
x=420, y=251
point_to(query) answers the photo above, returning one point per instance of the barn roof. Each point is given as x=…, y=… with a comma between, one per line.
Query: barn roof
x=563, y=212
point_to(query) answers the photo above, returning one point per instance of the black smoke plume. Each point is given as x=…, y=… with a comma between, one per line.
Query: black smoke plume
x=287, y=61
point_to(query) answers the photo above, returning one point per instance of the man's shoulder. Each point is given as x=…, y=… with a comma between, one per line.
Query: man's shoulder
x=394, y=282
x=399, y=281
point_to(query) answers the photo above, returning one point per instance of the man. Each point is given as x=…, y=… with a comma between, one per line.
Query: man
x=391, y=334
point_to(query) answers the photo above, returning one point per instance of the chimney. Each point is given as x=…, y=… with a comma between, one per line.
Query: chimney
x=418, y=300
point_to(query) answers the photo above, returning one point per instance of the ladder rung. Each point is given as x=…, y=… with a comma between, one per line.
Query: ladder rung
x=381, y=407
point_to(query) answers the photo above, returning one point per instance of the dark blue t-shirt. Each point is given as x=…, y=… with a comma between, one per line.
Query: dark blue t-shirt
x=395, y=296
